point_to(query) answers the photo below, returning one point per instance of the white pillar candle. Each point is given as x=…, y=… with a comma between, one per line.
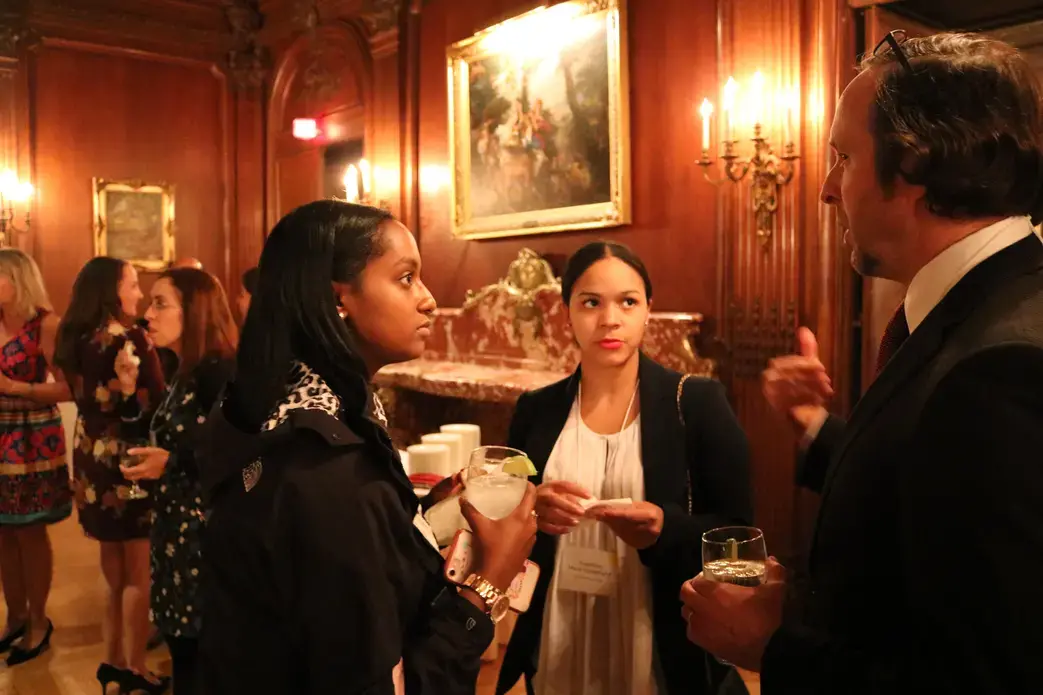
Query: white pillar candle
x=472, y=435
x=429, y=458
x=455, y=442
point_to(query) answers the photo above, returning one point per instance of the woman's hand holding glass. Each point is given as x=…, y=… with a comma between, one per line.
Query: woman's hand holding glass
x=502, y=546
x=152, y=461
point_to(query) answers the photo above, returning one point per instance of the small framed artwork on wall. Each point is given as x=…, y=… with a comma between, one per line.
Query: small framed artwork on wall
x=134, y=221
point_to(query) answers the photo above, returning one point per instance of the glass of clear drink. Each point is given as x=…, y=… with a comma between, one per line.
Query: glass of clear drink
x=493, y=491
x=135, y=491
x=735, y=555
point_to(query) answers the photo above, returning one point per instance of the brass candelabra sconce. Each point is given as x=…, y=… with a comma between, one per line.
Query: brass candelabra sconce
x=13, y=191
x=768, y=171
x=358, y=186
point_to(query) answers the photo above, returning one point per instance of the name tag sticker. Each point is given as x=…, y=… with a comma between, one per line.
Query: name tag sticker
x=588, y=571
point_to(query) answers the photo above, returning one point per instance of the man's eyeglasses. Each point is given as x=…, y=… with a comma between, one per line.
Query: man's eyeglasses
x=894, y=40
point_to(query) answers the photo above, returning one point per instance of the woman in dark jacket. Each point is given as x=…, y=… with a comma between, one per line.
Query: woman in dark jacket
x=614, y=430
x=188, y=315
x=322, y=576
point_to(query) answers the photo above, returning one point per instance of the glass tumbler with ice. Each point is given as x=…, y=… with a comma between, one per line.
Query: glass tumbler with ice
x=495, y=480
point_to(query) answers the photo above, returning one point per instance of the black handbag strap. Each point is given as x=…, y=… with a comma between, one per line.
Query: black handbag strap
x=680, y=416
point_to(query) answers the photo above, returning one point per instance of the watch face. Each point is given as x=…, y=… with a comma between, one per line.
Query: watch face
x=500, y=608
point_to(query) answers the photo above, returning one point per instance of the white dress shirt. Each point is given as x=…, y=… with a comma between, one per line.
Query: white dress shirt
x=930, y=285
x=933, y=281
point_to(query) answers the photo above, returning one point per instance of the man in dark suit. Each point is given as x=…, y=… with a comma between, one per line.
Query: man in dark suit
x=928, y=550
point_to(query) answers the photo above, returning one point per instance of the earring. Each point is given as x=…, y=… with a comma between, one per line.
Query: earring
x=342, y=312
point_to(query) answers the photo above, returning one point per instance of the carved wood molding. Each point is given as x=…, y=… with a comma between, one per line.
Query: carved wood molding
x=178, y=27
x=15, y=34
x=288, y=19
x=306, y=66
x=759, y=333
x=381, y=15
x=248, y=61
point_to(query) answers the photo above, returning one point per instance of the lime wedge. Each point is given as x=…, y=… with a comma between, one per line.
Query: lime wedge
x=518, y=465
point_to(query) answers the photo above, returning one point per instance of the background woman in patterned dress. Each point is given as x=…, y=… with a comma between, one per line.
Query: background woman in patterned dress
x=189, y=314
x=116, y=399
x=34, y=473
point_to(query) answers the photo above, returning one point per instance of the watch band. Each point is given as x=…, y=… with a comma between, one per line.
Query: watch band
x=496, y=601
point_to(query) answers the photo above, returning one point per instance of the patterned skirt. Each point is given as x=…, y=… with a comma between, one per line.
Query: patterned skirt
x=34, y=472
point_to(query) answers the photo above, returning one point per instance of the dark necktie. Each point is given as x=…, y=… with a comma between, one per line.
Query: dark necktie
x=895, y=333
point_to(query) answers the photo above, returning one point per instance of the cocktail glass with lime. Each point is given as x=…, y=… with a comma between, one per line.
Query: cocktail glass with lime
x=495, y=479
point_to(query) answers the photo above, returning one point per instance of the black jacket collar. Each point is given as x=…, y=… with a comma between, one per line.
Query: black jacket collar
x=659, y=423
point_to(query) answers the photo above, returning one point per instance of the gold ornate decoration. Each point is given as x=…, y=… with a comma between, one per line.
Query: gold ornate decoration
x=15, y=33
x=134, y=221
x=248, y=61
x=381, y=15
x=768, y=172
x=13, y=191
x=552, y=150
x=527, y=275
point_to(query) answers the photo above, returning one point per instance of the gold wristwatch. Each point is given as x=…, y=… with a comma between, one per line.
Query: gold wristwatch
x=497, y=603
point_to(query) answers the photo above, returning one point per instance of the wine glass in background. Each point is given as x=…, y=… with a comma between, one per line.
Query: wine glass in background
x=135, y=491
x=495, y=480
x=735, y=555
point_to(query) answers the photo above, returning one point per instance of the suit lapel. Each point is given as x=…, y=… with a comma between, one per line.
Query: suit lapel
x=918, y=350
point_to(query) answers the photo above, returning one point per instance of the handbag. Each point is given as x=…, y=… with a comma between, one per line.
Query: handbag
x=680, y=416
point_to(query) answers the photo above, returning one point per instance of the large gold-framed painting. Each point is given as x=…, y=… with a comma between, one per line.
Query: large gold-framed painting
x=539, y=123
x=134, y=221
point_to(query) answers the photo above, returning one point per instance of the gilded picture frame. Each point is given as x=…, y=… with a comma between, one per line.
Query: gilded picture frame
x=134, y=221
x=539, y=123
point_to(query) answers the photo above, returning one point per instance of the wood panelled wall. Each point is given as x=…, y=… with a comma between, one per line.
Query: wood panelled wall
x=126, y=92
x=697, y=239
x=169, y=92
x=673, y=58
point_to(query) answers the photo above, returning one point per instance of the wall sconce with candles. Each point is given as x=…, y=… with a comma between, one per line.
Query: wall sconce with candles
x=12, y=191
x=768, y=171
x=358, y=186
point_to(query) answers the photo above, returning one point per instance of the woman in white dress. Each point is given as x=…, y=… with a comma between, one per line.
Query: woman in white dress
x=605, y=617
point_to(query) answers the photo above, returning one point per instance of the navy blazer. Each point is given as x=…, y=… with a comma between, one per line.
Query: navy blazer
x=711, y=448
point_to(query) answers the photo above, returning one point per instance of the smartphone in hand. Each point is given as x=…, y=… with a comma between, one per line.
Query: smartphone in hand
x=458, y=567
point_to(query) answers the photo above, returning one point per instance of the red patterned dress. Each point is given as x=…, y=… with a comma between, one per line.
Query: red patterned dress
x=34, y=474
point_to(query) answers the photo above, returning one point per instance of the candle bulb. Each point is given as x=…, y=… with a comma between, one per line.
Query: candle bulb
x=706, y=111
x=731, y=88
x=365, y=172
x=351, y=184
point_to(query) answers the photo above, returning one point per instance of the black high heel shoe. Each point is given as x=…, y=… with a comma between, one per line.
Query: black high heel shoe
x=7, y=642
x=135, y=682
x=107, y=673
x=21, y=656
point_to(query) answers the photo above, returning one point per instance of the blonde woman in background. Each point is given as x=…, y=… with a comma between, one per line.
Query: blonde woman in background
x=34, y=474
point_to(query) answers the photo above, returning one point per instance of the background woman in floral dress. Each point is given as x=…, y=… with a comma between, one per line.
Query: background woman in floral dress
x=189, y=315
x=116, y=399
x=34, y=473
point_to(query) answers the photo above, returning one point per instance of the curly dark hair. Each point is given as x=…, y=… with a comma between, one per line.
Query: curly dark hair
x=963, y=117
